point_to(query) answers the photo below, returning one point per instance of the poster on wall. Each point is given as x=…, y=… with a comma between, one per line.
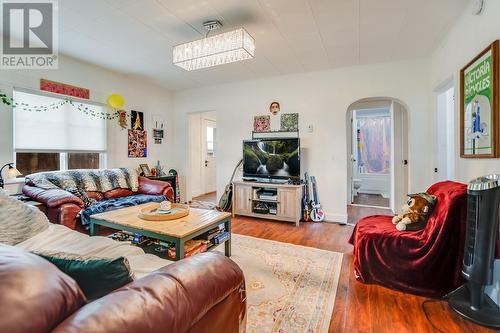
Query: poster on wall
x=137, y=120
x=479, y=105
x=137, y=143
x=64, y=89
x=290, y=122
x=262, y=123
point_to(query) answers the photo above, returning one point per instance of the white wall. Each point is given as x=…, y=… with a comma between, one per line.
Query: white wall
x=139, y=96
x=194, y=150
x=467, y=38
x=321, y=99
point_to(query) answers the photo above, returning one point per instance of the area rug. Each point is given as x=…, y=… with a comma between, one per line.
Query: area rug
x=201, y=204
x=290, y=288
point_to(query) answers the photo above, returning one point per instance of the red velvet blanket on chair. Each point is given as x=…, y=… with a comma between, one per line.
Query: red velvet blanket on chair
x=426, y=262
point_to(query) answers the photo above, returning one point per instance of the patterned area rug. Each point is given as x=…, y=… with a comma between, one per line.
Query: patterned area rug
x=290, y=288
x=201, y=204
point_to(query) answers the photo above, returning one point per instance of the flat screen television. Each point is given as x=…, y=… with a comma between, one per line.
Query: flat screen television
x=271, y=158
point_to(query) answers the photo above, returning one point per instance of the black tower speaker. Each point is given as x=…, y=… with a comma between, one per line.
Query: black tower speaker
x=469, y=300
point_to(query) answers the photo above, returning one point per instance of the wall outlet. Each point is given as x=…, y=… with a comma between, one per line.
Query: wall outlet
x=310, y=128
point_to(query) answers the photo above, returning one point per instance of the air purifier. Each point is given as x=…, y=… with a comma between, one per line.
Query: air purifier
x=470, y=301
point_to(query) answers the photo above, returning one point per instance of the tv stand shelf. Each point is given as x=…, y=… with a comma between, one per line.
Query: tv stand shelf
x=286, y=207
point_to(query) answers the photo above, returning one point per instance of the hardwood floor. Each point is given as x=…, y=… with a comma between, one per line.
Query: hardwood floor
x=355, y=213
x=371, y=200
x=359, y=307
x=210, y=197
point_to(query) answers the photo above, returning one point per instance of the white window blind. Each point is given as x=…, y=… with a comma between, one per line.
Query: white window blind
x=63, y=129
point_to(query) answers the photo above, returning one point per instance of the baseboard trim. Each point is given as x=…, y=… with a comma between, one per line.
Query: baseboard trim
x=336, y=218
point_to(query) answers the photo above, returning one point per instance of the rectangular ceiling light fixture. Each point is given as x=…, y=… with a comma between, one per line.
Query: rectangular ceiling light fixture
x=220, y=49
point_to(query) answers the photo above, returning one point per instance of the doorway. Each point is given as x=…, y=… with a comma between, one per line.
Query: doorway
x=445, y=133
x=371, y=157
x=202, y=177
x=377, y=155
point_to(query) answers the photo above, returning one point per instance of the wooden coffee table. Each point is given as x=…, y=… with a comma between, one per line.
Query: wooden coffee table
x=176, y=231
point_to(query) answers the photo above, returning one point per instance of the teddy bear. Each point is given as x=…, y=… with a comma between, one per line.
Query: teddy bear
x=415, y=213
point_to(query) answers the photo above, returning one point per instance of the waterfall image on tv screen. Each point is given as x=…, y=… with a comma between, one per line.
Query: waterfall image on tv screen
x=278, y=158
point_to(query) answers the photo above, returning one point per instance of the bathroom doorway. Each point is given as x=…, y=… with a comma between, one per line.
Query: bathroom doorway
x=377, y=153
x=371, y=157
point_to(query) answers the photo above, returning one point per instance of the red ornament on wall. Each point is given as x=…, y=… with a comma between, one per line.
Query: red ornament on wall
x=64, y=89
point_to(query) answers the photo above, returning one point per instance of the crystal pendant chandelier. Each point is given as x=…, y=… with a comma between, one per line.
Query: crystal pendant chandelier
x=220, y=49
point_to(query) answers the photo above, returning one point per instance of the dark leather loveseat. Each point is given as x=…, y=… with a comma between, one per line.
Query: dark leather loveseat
x=205, y=293
x=63, y=207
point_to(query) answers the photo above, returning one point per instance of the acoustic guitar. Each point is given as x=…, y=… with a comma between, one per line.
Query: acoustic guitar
x=226, y=199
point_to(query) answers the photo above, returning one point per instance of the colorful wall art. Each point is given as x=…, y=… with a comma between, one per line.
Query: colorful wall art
x=290, y=122
x=122, y=119
x=479, y=105
x=137, y=143
x=137, y=120
x=64, y=89
x=262, y=123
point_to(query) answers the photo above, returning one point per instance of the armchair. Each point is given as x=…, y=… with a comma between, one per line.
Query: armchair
x=427, y=262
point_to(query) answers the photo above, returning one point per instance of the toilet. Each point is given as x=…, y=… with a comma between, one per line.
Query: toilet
x=356, y=185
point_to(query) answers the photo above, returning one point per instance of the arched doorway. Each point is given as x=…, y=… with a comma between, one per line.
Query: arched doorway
x=377, y=153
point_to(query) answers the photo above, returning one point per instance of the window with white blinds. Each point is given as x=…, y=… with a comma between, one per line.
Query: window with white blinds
x=65, y=129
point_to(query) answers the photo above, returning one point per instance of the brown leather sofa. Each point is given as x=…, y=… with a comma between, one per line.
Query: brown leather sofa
x=63, y=207
x=204, y=293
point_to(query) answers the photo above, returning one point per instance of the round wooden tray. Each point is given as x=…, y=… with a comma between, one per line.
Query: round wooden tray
x=178, y=211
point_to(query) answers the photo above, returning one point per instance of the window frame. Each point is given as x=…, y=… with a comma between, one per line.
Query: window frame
x=63, y=158
x=211, y=153
x=63, y=155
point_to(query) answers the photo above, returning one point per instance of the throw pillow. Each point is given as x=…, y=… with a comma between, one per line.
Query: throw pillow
x=82, y=195
x=95, y=276
x=19, y=221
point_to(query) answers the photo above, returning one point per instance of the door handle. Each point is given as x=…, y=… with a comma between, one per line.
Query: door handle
x=206, y=163
x=405, y=162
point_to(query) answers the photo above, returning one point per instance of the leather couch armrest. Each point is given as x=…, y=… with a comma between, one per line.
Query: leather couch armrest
x=65, y=214
x=52, y=197
x=175, y=298
x=151, y=186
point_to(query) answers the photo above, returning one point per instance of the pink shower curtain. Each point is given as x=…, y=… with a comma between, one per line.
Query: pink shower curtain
x=374, y=144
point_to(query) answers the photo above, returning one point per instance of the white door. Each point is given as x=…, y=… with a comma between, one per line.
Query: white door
x=208, y=151
x=399, y=179
x=445, y=129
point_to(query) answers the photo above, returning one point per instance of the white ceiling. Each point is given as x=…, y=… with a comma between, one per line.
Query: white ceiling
x=136, y=37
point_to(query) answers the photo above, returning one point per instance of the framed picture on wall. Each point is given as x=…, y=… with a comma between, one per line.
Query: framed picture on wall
x=261, y=123
x=479, y=105
x=137, y=120
x=145, y=170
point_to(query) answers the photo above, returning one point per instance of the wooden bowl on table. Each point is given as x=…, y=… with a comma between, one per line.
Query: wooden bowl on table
x=151, y=213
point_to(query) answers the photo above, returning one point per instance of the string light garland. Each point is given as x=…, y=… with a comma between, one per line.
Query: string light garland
x=9, y=101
